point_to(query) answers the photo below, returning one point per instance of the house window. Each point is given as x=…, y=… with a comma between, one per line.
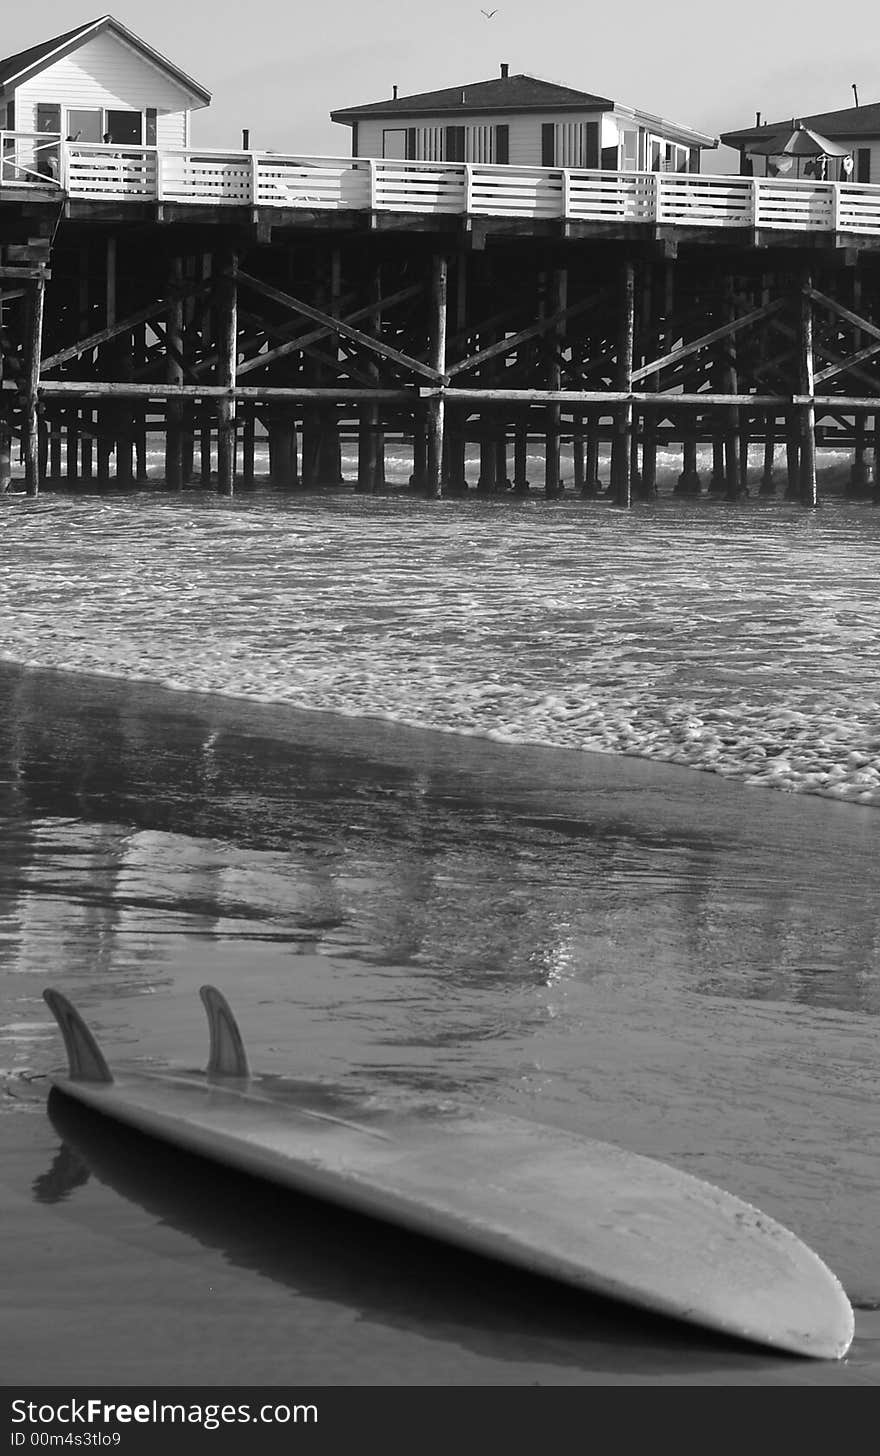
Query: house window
x=125, y=128
x=394, y=143
x=84, y=126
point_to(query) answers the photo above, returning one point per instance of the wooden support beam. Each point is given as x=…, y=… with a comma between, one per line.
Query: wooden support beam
x=103, y=336
x=621, y=478
x=552, y=482
x=732, y=326
x=436, y=406
x=808, y=491
x=732, y=437
x=174, y=376
x=371, y=444
x=302, y=341
x=5, y=458
x=512, y=341
x=32, y=350
x=227, y=343
x=863, y=324
x=374, y=346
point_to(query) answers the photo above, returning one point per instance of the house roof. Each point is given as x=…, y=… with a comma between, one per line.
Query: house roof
x=23, y=65
x=853, y=121
x=509, y=95
x=501, y=93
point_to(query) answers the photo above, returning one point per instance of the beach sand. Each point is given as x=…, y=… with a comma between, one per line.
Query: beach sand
x=653, y=956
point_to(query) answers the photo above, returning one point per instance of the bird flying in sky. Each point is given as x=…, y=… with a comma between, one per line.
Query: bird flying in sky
x=489, y=13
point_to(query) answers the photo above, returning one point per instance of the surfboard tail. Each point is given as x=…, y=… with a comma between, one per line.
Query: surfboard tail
x=228, y=1057
x=85, y=1058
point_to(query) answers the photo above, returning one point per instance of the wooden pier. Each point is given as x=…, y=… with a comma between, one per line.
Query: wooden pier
x=207, y=298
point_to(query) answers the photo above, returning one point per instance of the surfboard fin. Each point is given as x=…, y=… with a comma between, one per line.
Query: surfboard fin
x=228, y=1057
x=84, y=1056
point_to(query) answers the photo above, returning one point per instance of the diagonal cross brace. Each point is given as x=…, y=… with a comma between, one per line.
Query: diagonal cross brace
x=292, y=346
x=861, y=323
x=103, y=336
x=543, y=326
x=336, y=326
x=711, y=338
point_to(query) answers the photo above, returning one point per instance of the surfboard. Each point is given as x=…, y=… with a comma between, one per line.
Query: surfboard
x=587, y=1213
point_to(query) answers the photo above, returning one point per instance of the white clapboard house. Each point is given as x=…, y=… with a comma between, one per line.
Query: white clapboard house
x=524, y=122
x=94, y=83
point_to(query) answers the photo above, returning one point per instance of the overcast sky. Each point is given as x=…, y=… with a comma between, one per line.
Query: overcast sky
x=278, y=67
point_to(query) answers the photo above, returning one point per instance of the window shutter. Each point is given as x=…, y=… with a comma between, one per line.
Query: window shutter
x=502, y=144
x=411, y=144
x=593, y=144
x=548, y=144
x=609, y=159
x=151, y=127
x=863, y=164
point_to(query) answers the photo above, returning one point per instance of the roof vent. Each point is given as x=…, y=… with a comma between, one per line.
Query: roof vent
x=394, y=92
x=505, y=69
x=463, y=98
x=757, y=118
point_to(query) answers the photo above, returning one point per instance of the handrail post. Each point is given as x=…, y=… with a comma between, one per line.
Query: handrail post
x=372, y=169
x=566, y=192
x=160, y=174
x=63, y=165
x=754, y=201
x=835, y=206
x=468, y=188
x=658, y=197
x=254, y=179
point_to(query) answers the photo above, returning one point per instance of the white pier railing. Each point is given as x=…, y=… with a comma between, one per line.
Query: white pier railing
x=201, y=176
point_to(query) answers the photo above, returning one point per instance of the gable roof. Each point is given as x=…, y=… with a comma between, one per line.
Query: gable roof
x=20, y=67
x=852, y=121
x=501, y=93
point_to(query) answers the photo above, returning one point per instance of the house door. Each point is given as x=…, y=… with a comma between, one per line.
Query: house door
x=48, y=120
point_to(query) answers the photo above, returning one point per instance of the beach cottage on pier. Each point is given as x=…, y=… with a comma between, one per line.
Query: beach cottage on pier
x=856, y=129
x=523, y=121
x=94, y=82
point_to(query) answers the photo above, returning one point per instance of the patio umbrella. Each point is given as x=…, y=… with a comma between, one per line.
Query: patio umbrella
x=798, y=141
x=798, y=152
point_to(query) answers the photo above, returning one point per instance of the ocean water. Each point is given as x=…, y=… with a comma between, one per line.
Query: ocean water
x=417, y=784
x=742, y=640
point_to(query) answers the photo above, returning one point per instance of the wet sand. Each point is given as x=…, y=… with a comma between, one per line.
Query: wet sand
x=125, y=1264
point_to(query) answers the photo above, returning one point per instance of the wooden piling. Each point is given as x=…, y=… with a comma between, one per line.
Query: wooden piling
x=227, y=345
x=623, y=413
x=436, y=410
x=808, y=491
x=32, y=354
x=174, y=375
x=521, y=457
x=558, y=303
x=768, y=485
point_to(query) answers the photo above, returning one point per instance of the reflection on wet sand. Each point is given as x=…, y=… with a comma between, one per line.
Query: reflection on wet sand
x=128, y=828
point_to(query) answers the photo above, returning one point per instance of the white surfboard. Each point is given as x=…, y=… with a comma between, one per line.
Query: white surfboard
x=588, y=1213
